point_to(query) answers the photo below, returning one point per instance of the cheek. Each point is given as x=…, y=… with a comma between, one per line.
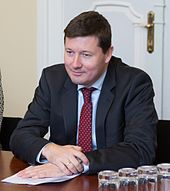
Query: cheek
x=96, y=71
x=92, y=72
x=67, y=59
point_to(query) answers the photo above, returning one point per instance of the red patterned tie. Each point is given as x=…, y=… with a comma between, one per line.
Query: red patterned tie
x=85, y=125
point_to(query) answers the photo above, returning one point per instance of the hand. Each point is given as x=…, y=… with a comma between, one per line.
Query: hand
x=69, y=158
x=41, y=171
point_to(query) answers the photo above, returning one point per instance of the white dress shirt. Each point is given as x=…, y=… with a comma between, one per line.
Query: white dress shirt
x=95, y=96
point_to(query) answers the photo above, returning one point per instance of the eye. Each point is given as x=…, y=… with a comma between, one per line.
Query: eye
x=69, y=52
x=86, y=54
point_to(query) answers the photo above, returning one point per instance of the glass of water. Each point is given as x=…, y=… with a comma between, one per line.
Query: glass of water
x=128, y=179
x=108, y=180
x=163, y=176
x=147, y=178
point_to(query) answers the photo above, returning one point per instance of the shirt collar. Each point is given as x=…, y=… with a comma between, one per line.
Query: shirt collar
x=98, y=84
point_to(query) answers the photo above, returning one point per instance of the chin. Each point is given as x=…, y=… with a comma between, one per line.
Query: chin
x=75, y=81
x=78, y=82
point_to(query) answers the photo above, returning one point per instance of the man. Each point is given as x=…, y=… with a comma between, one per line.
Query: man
x=123, y=117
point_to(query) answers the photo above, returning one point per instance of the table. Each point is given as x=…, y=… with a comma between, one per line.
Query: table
x=10, y=165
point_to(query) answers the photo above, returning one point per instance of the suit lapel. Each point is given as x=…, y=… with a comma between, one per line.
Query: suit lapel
x=70, y=110
x=105, y=100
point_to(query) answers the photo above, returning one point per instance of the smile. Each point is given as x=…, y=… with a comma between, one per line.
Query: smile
x=77, y=73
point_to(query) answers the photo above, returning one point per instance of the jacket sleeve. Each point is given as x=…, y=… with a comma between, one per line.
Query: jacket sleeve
x=27, y=139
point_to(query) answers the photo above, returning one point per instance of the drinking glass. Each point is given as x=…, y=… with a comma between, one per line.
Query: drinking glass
x=163, y=176
x=128, y=179
x=147, y=178
x=108, y=180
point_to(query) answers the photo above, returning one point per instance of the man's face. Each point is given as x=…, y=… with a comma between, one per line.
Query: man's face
x=84, y=59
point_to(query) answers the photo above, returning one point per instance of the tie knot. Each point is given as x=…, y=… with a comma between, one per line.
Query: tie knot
x=87, y=93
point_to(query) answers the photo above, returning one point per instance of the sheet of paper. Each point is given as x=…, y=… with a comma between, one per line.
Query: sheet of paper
x=31, y=181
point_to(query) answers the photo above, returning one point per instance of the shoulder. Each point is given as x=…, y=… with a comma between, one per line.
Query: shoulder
x=56, y=72
x=57, y=68
x=54, y=76
x=127, y=72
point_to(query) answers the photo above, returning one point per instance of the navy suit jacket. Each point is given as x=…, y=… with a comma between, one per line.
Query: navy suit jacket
x=125, y=120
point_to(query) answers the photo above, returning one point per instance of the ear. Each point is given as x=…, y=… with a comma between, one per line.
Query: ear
x=109, y=54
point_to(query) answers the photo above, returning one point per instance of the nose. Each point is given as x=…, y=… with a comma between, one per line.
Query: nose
x=76, y=63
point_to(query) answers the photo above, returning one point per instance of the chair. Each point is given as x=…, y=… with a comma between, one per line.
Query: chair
x=163, y=139
x=7, y=127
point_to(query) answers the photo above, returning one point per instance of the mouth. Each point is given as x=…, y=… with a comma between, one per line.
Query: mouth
x=76, y=73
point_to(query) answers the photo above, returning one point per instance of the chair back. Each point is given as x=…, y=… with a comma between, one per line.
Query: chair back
x=163, y=140
x=7, y=127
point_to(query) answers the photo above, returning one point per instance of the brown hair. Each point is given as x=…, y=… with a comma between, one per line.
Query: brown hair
x=90, y=23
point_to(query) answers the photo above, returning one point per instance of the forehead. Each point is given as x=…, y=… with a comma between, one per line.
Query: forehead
x=87, y=41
